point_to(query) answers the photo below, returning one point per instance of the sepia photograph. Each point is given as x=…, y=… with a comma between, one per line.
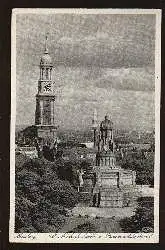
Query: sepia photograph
x=85, y=118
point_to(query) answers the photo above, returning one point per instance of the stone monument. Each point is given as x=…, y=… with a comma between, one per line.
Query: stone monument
x=112, y=185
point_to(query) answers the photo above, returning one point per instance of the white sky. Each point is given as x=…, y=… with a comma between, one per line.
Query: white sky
x=103, y=61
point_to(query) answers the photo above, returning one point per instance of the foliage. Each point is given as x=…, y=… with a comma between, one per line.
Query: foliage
x=143, y=163
x=30, y=132
x=42, y=199
x=71, y=144
x=20, y=160
x=143, y=220
x=27, y=136
x=67, y=169
x=84, y=228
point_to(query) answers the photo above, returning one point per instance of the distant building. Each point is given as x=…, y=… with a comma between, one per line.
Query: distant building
x=30, y=152
x=88, y=144
x=79, y=154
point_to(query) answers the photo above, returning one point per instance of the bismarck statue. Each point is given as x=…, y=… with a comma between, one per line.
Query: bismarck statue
x=105, y=155
x=115, y=187
x=106, y=134
x=112, y=185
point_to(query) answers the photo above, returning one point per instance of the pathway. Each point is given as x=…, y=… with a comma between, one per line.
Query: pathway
x=105, y=220
x=73, y=222
x=103, y=212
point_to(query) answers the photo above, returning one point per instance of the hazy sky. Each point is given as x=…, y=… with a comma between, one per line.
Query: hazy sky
x=102, y=61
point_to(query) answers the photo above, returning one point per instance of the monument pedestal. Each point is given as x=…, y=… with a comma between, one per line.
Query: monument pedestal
x=113, y=186
x=47, y=132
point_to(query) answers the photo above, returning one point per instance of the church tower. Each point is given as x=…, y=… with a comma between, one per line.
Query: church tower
x=45, y=99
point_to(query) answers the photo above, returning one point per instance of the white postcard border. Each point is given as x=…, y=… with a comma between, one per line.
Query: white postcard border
x=86, y=237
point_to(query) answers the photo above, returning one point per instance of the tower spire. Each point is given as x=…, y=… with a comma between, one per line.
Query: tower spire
x=94, y=126
x=46, y=45
x=94, y=120
x=95, y=115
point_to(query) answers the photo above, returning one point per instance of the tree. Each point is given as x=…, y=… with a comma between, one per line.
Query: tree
x=23, y=210
x=30, y=132
x=143, y=220
x=87, y=227
x=42, y=199
x=142, y=163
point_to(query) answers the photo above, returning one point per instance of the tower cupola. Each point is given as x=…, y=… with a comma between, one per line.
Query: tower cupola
x=46, y=64
x=46, y=59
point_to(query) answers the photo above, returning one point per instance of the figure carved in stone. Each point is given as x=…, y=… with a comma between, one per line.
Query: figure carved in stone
x=80, y=178
x=106, y=135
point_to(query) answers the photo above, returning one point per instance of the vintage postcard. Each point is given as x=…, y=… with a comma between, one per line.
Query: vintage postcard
x=85, y=118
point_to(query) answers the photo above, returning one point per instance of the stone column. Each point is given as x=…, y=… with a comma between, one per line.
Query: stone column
x=112, y=134
x=52, y=112
x=133, y=178
x=109, y=161
x=94, y=135
x=41, y=112
x=42, y=73
x=119, y=179
x=50, y=73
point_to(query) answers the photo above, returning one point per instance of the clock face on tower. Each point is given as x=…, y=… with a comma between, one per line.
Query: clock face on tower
x=47, y=87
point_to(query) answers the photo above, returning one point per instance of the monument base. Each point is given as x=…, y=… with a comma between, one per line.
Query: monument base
x=111, y=187
x=47, y=132
x=116, y=197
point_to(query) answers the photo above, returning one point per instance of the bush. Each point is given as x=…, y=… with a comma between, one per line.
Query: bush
x=62, y=193
x=143, y=165
x=143, y=220
x=67, y=170
x=28, y=229
x=22, y=215
x=41, y=197
x=85, y=228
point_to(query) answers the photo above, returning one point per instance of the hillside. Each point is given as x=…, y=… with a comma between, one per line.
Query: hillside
x=42, y=198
